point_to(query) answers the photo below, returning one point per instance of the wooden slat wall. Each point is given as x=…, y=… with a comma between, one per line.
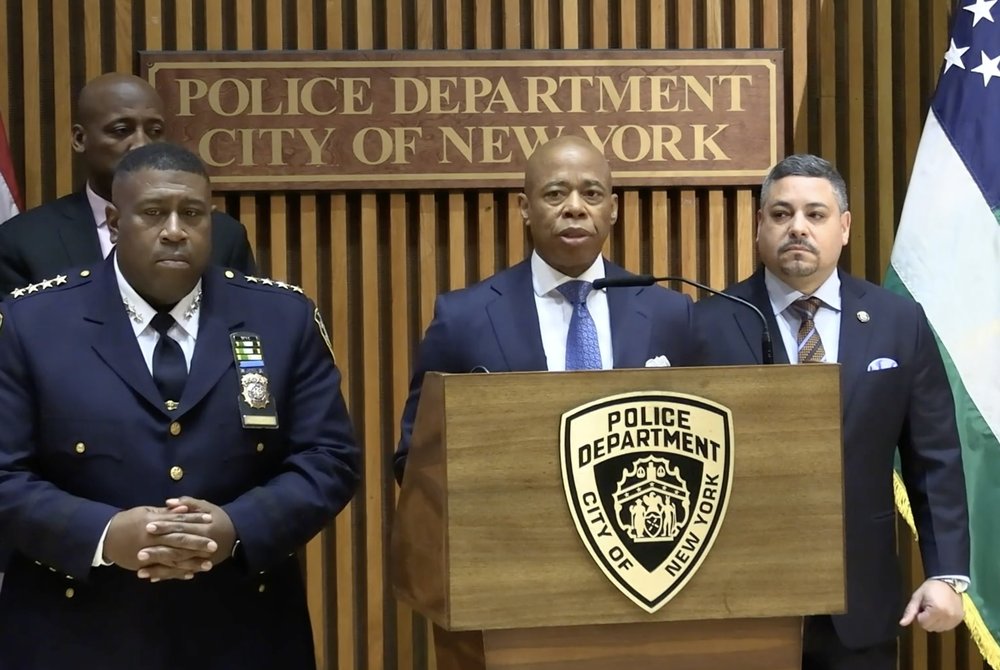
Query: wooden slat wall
x=859, y=75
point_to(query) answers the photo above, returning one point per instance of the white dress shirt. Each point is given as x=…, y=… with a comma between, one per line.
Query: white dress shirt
x=555, y=311
x=184, y=331
x=99, y=206
x=185, y=313
x=827, y=318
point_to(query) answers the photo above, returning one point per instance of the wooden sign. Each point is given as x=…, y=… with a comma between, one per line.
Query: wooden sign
x=265, y=120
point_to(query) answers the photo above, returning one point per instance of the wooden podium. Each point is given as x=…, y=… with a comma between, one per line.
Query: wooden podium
x=484, y=544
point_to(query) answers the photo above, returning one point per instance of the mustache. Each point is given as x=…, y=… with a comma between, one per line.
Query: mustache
x=797, y=243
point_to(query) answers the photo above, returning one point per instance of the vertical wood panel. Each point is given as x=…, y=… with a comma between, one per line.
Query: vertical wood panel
x=32, y=130
x=345, y=612
x=5, y=53
x=154, y=24
x=92, y=38
x=854, y=170
x=213, y=24
x=184, y=22
x=859, y=75
x=62, y=107
x=124, y=56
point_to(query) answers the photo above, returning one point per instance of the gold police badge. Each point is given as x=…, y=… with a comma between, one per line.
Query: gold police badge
x=254, y=389
x=647, y=478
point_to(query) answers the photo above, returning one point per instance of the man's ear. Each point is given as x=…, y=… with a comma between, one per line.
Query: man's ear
x=113, y=218
x=522, y=204
x=78, y=138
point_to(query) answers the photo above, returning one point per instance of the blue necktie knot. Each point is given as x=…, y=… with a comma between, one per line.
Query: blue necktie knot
x=576, y=291
x=162, y=322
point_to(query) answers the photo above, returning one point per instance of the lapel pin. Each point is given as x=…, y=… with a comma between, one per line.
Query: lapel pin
x=864, y=317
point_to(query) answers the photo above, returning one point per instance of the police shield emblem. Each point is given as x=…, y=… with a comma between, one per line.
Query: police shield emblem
x=647, y=479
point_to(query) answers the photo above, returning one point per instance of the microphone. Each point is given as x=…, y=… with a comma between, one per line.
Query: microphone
x=766, y=348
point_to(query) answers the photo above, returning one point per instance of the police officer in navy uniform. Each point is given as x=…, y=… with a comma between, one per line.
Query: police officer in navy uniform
x=171, y=433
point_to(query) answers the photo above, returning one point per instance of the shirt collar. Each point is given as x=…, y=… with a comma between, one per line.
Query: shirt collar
x=545, y=278
x=185, y=312
x=98, y=206
x=782, y=295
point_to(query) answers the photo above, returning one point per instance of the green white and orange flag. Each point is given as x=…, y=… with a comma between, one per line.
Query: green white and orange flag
x=947, y=257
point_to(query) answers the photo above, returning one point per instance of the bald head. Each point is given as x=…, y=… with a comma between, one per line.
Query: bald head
x=115, y=114
x=567, y=147
x=568, y=204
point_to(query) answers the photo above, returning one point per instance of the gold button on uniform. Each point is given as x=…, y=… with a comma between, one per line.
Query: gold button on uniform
x=70, y=592
x=172, y=405
x=260, y=447
x=230, y=274
x=175, y=428
x=84, y=273
x=80, y=447
x=176, y=473
x=261, y=588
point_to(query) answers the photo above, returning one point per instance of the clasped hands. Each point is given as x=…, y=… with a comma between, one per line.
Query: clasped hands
x=186, y=537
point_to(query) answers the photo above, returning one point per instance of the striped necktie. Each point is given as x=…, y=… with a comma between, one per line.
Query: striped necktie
x=810, y=346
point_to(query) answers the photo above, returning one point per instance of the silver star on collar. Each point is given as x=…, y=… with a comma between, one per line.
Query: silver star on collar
x=130, y=310
x=193, y=308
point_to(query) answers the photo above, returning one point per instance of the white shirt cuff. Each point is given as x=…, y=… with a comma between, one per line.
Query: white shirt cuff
x=958, y=578
x=98, y=560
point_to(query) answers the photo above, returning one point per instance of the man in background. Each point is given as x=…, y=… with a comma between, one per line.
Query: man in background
x=894, y=392
x=116, y=113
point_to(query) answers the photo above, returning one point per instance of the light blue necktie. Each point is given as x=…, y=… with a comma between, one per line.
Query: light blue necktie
x=582, y=350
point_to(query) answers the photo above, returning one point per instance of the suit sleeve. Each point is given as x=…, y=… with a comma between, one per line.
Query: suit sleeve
x=232, y=247
x=436, y=353
x=13, y=274
x=320, y=473
x=37, y=519
x=241, y=257
x=931, y=458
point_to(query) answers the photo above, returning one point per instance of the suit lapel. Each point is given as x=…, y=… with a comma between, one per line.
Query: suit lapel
x=755, y=291
x=515, y=319
x=78, y=231
x=630, y=326
x=855, y=337
x=114, y=339
x=213, y=355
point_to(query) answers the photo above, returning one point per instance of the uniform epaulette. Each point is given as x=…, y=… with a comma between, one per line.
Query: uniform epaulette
x=45, y=284
x=264, y=281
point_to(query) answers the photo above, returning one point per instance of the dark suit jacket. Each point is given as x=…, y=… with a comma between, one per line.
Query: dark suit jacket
x=55, y=237
x=910, y=405
x=494, y=325
x=71, y=372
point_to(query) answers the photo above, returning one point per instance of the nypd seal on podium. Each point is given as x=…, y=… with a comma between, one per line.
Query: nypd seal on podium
x=647, y=477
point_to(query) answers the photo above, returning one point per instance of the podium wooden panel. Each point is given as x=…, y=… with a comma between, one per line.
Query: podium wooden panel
x=484, y=544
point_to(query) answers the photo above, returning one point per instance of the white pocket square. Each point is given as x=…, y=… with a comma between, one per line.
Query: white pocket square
x=658, y=362
x=882, y=364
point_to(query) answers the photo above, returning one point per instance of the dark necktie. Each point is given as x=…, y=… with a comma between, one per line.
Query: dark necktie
x=169, y=366
x=582, y=349
x=810, y=346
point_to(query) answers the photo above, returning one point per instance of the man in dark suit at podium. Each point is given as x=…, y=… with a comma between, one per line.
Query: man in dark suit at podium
x=894, y=392
x=541, y=314
x=115, y=114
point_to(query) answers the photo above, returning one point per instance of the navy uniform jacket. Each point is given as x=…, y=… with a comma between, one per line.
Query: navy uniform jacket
x=910, y=405
x=493, y=325
x=86, y=434
x=55, y=237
